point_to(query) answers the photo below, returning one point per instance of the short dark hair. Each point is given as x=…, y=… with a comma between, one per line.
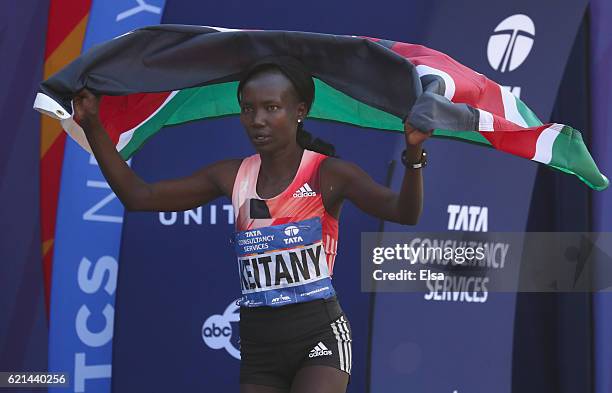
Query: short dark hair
x=293, y=69
x=304, y=86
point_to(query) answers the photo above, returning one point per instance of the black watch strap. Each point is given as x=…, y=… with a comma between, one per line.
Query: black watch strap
x=415, y=165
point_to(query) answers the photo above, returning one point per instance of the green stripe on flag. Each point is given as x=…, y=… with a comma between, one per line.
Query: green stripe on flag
x=207, y=102
x=466, y=136
x=155, y=123
x=570, y=155
x=330, y=104
x=220, y=100
x=530, y=118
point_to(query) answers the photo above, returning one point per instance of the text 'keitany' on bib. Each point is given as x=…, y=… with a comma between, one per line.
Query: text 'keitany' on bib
x=283, y=264
x=286, y=245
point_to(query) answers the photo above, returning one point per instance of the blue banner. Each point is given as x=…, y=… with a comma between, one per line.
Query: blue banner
x=88, y=234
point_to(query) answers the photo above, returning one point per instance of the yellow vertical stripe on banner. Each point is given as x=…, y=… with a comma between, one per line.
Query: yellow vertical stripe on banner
x=47, y=246
x=50, y=130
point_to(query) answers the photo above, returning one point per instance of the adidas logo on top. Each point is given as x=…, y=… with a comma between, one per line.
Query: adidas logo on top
x=319, y=350
x=304, y=191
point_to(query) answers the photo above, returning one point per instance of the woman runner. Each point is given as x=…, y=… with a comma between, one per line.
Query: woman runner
x=287, y=200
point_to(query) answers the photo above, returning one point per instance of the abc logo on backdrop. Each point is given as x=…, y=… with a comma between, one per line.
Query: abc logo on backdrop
x=217, y=330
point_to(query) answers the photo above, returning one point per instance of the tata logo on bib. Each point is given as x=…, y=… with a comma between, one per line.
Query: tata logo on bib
x=468, y=218
x=511, y=43
x=292, y=237
x=217, y=330
x=292, y=230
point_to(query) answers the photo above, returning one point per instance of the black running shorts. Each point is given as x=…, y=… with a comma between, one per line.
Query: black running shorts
x=275, y=342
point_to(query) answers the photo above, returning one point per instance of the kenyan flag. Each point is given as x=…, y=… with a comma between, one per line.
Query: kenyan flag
x=166, y=75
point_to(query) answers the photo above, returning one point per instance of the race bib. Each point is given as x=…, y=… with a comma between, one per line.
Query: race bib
x=283, y=264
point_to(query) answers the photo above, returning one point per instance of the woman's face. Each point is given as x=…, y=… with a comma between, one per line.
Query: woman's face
x=270, y=110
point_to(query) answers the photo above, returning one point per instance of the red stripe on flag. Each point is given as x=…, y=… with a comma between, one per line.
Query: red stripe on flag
x=471, y=87
x=122, y=113
x=491, y=101
x=477, y=91
x=466, y=83
x=518, y=142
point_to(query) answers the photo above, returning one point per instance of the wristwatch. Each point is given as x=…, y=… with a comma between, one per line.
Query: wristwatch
x=415, y=165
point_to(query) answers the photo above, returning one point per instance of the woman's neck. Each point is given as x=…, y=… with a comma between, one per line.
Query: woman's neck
x=281, y=164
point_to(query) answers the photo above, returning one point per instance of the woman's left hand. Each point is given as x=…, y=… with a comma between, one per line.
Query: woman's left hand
x=415, y=137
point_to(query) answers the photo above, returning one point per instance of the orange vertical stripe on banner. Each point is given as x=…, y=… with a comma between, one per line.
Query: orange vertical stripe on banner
x=67, y=51
x=65, y=35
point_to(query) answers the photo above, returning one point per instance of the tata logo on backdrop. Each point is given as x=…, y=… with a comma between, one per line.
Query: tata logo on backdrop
x=217, y=330
x=511, y=43
x=468, y=218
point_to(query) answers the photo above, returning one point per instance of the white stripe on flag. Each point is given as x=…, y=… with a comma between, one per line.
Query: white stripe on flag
x=511, y=111
x=485, y=121
x=126, y=137
x=449, y=91
x=544, y=145
x=222, y=29
x=76, y=132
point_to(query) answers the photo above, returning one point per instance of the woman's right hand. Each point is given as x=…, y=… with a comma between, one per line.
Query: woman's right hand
x=180, y=194
x=86, y=109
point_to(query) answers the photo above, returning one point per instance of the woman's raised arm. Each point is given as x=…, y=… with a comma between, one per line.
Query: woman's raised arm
x=185, y=193
x=344, y=180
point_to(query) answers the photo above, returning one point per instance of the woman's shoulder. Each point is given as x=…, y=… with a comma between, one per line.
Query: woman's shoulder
x=224, y=172
x=336, y=170
x=338, y=165
x=229, y=164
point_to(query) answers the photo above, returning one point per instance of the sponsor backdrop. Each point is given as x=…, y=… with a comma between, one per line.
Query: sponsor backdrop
x=433, y=342
x=89, y=223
